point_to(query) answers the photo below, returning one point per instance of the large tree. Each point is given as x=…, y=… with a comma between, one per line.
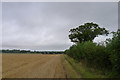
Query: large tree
x=86, y=32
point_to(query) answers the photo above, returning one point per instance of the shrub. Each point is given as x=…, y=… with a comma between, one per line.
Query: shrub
x=113, y=48
x=99, y=56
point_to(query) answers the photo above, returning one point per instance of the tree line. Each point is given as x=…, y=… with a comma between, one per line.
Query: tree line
x=29, y=51
x=104, y=57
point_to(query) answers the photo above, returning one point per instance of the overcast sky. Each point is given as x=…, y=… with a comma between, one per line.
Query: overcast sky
x=45, y=26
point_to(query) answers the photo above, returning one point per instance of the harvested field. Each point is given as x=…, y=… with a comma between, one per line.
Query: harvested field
x=0, y=65
x=33, y=66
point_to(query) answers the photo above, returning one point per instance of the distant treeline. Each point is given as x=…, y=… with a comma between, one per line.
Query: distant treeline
x=29, y=51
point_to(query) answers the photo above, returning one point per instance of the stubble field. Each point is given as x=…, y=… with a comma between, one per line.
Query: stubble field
x=33, y=66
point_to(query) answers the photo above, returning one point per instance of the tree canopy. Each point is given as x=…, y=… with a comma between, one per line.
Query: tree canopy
x=86, y=32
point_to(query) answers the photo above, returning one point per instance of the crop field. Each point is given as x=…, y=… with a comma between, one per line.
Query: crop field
x=32, y=66
x=0, y=65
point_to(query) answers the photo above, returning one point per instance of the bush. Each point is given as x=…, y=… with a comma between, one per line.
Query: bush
x=91, y=53
x=99, y=56
x=113, y=48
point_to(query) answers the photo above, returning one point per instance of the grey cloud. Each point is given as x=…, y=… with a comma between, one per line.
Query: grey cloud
x=45, y=26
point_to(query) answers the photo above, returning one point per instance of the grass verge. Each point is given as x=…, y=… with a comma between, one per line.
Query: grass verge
x=81, y=70
x=70, y=71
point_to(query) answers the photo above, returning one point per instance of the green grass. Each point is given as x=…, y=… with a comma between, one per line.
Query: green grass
x=71, y=73
x=83, y=70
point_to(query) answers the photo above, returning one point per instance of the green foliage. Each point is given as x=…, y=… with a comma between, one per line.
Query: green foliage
x=113, y=47
x=92, y=54
x=86, y=32
x=83, y=70
x=102, y=57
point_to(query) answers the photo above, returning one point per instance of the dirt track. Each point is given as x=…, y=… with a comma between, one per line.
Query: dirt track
x=33, y=66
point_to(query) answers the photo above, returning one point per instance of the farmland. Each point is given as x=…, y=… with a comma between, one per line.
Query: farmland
x=33, y=66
